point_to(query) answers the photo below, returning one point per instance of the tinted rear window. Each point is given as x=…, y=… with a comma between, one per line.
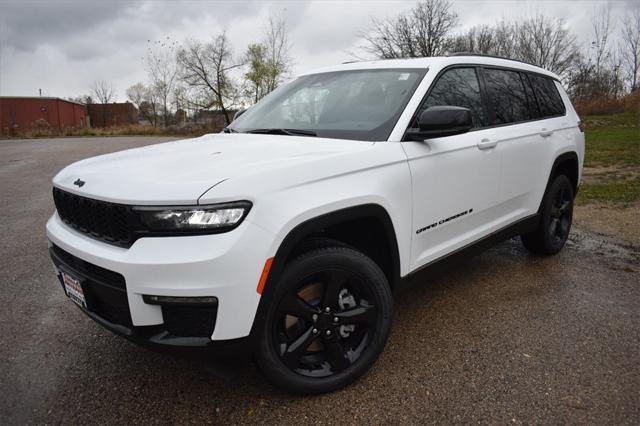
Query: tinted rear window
x=549, y=100
x=508, y=98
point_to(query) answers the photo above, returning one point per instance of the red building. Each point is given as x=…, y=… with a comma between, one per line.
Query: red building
x=113, y=114
x=19, y=114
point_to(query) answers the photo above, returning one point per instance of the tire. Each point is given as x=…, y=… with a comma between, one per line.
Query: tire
x=555, y=222
x=301, y=348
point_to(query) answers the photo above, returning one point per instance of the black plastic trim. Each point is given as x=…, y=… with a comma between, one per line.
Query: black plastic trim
x=147, y=298
x=520, y=227
x=567, y=156
x=230, y=353
x=303, y=230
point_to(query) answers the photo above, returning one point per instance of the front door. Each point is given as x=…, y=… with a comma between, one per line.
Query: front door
x=455, y=179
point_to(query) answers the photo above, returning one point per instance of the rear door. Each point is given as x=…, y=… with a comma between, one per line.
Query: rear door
x=455, y=179
x=528, y=102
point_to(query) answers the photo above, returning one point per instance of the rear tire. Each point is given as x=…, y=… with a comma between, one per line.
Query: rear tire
x=555, y=222
x=328, y=321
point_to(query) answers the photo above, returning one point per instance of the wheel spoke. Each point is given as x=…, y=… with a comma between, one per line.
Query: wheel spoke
x=564, y=227
x=335, y=283
x=297, y=348
x=336, y=355
x=294, y=305
x=560, y=196
x=564, y=207
x=553, y=226
x=364, y=314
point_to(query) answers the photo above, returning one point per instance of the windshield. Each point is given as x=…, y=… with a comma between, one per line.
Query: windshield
x=359, y=104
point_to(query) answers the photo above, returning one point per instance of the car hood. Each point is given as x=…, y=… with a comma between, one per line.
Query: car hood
x=180, y=172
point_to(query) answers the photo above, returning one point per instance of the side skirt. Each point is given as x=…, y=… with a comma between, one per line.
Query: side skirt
x=527, y=224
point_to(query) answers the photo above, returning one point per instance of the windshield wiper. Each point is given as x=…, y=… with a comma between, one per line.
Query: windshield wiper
x=289, y=132
x=229, y=130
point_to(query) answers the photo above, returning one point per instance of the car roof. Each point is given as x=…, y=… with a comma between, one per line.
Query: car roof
x=434, y=62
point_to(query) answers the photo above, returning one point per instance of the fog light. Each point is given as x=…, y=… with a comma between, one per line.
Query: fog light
x=173, y=300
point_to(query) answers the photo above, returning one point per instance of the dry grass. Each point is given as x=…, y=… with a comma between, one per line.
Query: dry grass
x=132, y=130
x=607, y=106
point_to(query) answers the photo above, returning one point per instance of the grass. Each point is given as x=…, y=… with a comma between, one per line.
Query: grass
x=612, y=160
x=623, y=192
x=132, y=130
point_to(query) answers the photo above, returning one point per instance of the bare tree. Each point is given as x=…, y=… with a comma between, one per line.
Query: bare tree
x=538, y=40
x=268, y=62
x=422, y=31
x=163, y=73
x=498, y=40
x=82, y=99
x=600, y=25
x=545, y=42
x=630, y=48
x=103, y=91
x=143, y=99
x=204, y=68
x=277, y=48
x=506, y=39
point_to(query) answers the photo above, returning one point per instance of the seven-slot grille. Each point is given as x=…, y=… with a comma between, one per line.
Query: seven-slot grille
x=102, y=220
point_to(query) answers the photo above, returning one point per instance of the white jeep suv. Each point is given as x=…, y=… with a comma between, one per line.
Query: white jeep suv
x=284, y=236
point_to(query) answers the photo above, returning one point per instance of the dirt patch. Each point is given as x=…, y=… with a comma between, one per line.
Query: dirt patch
x=601, y=173
x=622, y=223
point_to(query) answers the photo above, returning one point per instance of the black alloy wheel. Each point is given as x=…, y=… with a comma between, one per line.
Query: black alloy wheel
x=555, y=221
x=560, y=216
x=329, y=320
x=324, y=325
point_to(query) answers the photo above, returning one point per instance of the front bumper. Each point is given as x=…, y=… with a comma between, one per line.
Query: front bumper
x=226, y=266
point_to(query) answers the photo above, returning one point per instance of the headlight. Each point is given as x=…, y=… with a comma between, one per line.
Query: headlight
x=194, y=219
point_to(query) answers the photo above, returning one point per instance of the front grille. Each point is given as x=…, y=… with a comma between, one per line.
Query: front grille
x=105, y=291
x=189, y=321
x=109, y=222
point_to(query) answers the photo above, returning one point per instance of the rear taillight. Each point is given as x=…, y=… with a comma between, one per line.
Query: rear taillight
x=581, y=126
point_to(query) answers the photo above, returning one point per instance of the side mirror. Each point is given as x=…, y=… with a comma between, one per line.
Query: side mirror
x=238, y=114
x=440, y=121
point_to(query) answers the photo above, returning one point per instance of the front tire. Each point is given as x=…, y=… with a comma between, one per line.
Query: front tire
x=328, y=321
x=555, y=222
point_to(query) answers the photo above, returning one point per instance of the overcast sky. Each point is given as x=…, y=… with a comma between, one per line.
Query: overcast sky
x=62, y=47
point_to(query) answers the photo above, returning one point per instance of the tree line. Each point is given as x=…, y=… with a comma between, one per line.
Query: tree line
x=607, y=68
x=193, y=76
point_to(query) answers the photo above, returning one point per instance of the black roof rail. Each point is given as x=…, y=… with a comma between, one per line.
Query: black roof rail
x=486, y=55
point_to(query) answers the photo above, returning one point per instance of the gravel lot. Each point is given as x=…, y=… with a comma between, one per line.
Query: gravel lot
x=506, y=337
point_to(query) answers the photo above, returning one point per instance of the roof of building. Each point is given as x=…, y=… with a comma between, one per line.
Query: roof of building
x=49, y=98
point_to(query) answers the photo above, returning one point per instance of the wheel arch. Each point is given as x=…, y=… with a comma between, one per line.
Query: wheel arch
x=314, y=226
x=568, y=164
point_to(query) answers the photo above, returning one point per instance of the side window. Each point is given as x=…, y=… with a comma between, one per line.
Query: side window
x=549, y=99
x=458, y=87
x=507, y=96
x=534, y=112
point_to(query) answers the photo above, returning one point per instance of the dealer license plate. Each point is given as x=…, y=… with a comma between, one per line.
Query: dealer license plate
x=74, y=289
